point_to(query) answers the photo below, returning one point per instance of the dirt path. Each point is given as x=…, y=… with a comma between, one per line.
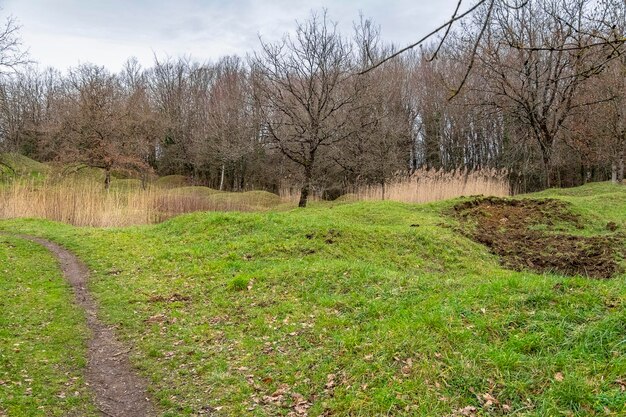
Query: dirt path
x=119, y=392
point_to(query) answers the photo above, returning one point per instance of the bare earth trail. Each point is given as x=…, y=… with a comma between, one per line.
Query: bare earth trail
x=118, y=390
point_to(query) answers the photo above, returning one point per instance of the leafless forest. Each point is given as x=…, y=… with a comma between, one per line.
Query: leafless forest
x=532, y=89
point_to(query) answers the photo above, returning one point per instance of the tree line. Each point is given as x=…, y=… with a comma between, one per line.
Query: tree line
x=535, y=88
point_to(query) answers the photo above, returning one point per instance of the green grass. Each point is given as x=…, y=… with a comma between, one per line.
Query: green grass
x=252, y=199
x=195, y=190
x=358, y=309
x=597, y=203
x=172, y=181
x=14, y=165
x=42, y=336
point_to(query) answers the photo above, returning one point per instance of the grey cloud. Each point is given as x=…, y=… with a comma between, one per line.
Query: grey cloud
x=64, y=32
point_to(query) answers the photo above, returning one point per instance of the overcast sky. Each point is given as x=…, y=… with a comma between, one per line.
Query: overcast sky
x=63, y=33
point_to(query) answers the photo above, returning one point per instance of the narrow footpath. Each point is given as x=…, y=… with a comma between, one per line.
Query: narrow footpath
x=118, y=390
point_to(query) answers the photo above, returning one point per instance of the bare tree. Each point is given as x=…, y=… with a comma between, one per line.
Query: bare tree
x=12, y=57
x=535, y=62
x=173, y=96
x=228, y=128
x=602, y=15
x=140, y=124
x=12, y=54
x=306, y=93
x=376, y=151
x=598, y=131
x=91, y=129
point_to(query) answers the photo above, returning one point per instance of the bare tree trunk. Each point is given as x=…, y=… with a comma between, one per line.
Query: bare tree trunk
x=222, y=178
x=383, y=189
x=614, y=172
x=107, y=178
x=144, y=180
x=306, y=187
x=547, y=166
x=621, y=125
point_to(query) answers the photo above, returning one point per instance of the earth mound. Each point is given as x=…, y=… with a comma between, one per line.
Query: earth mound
x=527, y=234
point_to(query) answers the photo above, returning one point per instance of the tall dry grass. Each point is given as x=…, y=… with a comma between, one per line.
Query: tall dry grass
x=86, y=203
x=81, y=203
x=422, y=186
x=427, y=185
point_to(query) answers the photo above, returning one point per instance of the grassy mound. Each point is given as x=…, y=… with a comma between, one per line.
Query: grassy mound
x=172, y=181
x=14, y=165
x=196, y=190
x=368, y=308
x=209, y=199
x=76, y=172
x=349, y=197
x=192, y=199
x=248, y=199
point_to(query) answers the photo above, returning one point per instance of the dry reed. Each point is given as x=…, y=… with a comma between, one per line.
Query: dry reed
x=422, y=186
x=425, y=186
x=85, y=203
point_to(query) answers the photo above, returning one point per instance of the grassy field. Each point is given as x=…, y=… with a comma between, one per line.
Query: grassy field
x=42, y=336
x=360, y=309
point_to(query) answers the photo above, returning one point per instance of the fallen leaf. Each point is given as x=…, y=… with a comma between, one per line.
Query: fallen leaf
x=157, y=318
x=330, y=381
x=468, y=411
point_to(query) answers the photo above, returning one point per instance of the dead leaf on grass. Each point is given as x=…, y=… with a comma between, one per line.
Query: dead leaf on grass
x=157, y=318
x=330, y=381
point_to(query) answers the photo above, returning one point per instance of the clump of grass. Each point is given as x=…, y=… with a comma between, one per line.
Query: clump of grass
x=77, y=202
x=239, y=283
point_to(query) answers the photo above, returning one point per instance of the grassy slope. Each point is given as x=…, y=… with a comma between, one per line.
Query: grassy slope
x=12, y=165
x=598, y=203
x=41, y=347
x=356, y=311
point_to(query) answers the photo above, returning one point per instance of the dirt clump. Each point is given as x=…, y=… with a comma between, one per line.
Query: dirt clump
x=524, y=234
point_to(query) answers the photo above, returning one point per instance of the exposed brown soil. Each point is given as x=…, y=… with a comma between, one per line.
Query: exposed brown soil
x=510, y=229
x=118, y=391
